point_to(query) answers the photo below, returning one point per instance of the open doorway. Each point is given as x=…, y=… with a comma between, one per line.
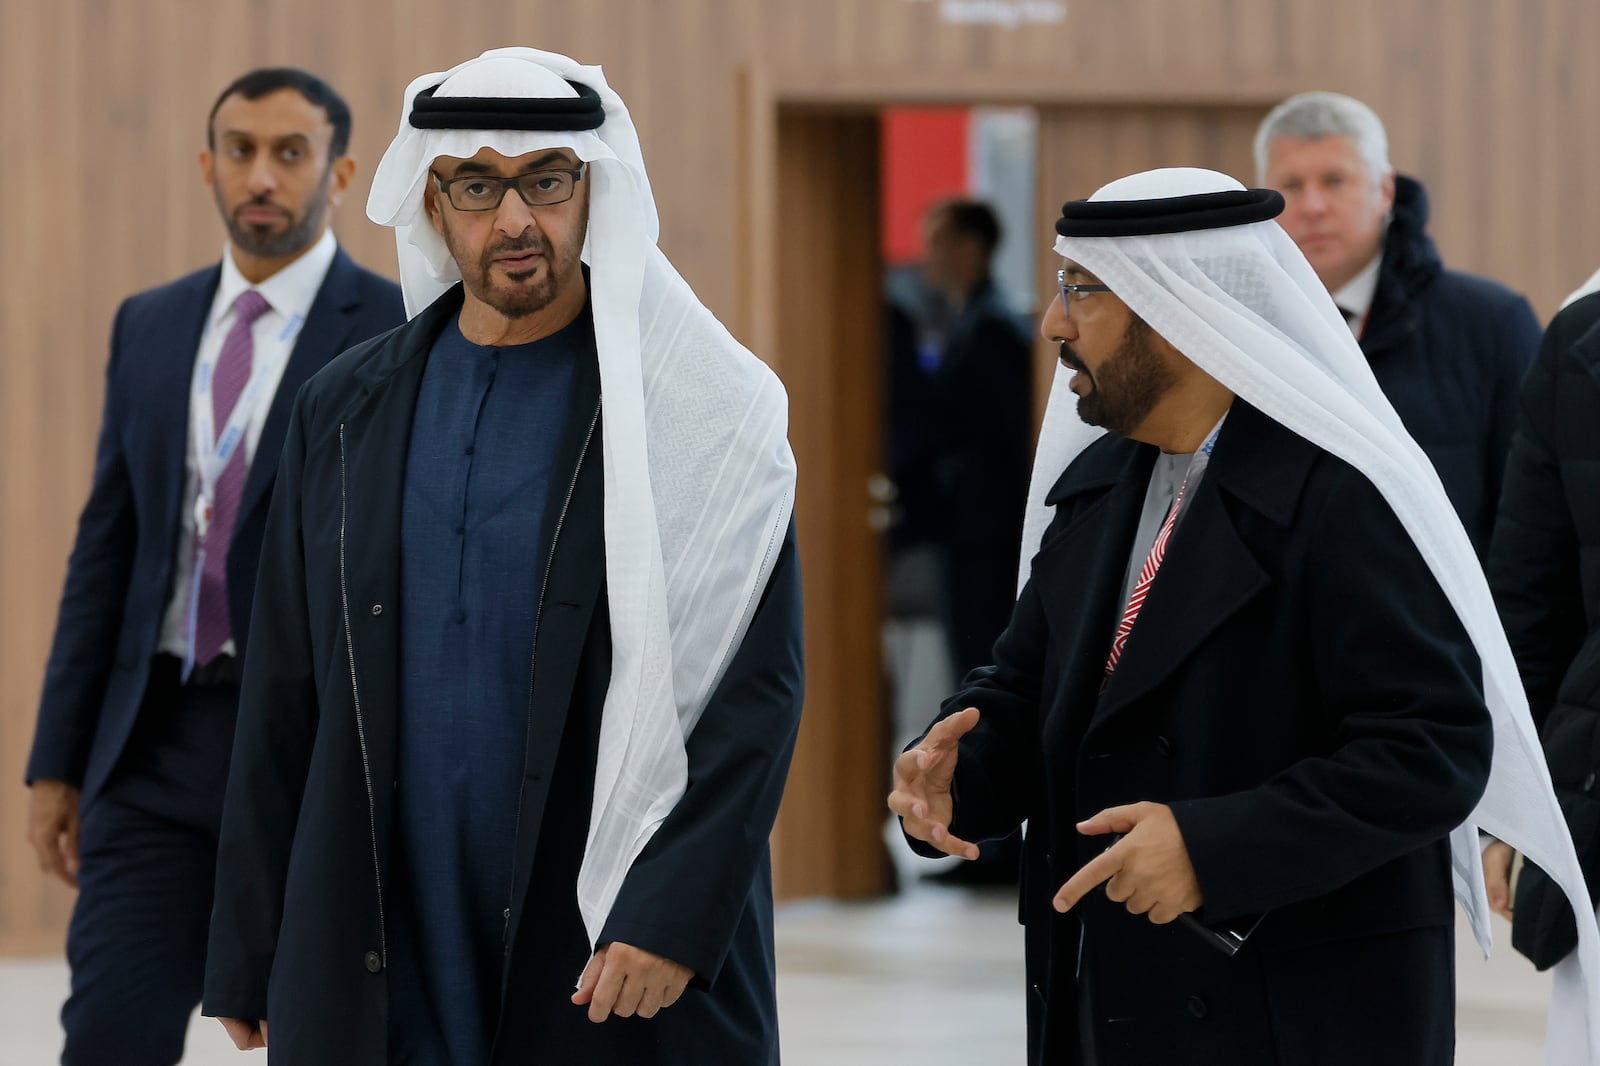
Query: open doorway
x=818, y=265
x=958, y=210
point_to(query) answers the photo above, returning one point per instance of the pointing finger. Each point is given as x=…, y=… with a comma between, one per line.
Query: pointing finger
x=951, y=729
x=1096, y=870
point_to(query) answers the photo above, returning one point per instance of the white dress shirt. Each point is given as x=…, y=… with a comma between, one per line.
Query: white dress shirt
x=1355, y=299
x=290, y=292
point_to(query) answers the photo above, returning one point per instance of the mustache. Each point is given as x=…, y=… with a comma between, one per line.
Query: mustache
x=261, y=201
x=517, y=245
x=1069, y=359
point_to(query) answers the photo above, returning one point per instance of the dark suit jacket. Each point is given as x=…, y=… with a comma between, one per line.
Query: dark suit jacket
x=298, y=928
x=120, y=575
x=1449, y=350
x=1300, y=692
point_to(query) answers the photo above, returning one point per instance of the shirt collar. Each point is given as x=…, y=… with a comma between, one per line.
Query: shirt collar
x=290, y=291
x=1356, y=296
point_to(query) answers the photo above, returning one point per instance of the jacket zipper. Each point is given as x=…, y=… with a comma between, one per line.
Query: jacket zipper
x=355, y=692
x=533, y=660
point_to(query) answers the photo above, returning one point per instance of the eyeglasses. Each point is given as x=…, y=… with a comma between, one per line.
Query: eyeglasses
x=1074, y=292
x=538, y=188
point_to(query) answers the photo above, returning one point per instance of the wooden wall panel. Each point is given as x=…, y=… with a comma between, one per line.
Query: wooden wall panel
x=1484, y=100
x=830, y=329
x=1489, y=102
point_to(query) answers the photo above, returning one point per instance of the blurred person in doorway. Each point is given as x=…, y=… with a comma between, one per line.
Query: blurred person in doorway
x=979, y=424
x=962, y=435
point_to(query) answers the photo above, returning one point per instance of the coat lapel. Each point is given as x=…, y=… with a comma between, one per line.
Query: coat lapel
x=1586, y=350
x=1210, y=571
x=1208, y=574
x=174, y=377
x=1078, y=574
x=374, y=433
x=324, y=335
x=574, y=591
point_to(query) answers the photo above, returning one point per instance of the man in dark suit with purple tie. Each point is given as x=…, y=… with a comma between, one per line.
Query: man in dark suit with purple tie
x=135, y=726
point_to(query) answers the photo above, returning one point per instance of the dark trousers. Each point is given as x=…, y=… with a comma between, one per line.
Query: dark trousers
x=148, y=850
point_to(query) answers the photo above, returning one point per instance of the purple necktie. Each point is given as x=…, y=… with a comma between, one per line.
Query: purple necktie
x=212, y=628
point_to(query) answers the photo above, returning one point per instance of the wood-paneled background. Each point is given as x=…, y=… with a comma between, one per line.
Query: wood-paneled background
x=1489, y=102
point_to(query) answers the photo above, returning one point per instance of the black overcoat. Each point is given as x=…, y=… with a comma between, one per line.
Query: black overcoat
x=298, y=929
x=1449, y=350
x=1544, y=567
x=1301, y=693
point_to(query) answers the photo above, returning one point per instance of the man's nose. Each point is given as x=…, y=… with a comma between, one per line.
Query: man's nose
x=513, y=217
x=262, y=179
x=1056, y=325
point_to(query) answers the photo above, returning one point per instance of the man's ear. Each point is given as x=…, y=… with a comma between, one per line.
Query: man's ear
x=205, y=167
x=344, y=171
x=1168, y=350
x=430, y=204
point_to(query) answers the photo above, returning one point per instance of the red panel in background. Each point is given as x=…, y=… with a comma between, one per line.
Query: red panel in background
x=924, y=160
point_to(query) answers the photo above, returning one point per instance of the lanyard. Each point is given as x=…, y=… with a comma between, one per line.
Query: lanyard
x=213, y=451
x=1197, y=465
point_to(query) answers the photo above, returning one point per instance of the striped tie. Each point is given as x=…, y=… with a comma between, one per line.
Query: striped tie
x=1158, y=552
x=1147, y=576
x=212, y=626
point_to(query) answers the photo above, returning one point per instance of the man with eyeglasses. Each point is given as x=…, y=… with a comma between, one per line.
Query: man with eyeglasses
x=1249, y=692
x=524, y=695
x=130, y=755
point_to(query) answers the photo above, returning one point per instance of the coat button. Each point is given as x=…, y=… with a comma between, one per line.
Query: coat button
x=1164, y=746
x=1588, y=782
x=377, y=609
x=1197, y=1007
x=374, y=962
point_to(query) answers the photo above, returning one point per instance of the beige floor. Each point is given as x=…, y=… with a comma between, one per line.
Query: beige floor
x=932, y=978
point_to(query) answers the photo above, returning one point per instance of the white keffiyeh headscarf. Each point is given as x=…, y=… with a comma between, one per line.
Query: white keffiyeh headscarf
x=699, y=479
x=1590, y=284
x=1243, y=304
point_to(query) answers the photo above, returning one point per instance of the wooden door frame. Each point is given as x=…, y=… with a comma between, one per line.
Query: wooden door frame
x=828, y=841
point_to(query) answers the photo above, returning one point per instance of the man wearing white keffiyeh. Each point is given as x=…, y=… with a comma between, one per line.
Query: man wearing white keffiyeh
x=1252, y=680
x=529, y=676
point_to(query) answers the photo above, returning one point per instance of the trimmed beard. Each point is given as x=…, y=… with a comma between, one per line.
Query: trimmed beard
x=521, y=300
x=264, y=243
x=1128, y=385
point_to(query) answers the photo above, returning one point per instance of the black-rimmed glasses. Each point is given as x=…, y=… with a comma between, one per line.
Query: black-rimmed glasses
x=1074, y=291
x=538, y=188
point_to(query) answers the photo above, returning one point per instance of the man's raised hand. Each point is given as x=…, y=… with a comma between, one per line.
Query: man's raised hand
x=922, y=776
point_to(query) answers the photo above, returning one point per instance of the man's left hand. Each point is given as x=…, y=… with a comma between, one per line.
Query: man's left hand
x=1497, y=876
x=625, y=981
x=1147, y=870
